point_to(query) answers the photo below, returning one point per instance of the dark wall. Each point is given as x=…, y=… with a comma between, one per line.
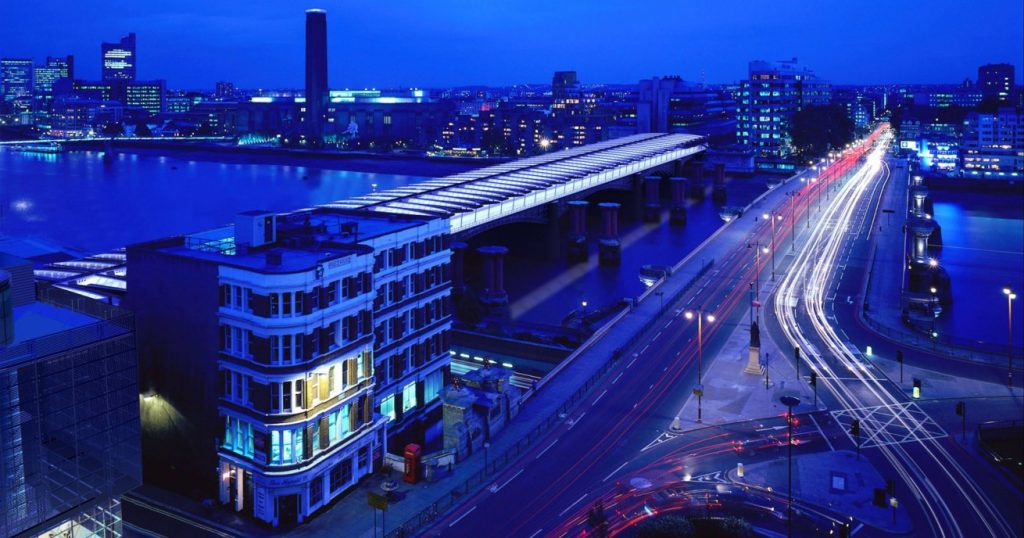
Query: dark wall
x=175, y=302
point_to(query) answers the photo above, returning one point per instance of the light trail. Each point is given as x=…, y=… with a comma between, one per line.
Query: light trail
x=812, y=274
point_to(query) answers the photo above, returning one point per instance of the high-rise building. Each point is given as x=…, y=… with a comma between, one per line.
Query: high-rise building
x=224, y=90
x=148, y=95
x=50, y=72
x=312, y=338
x=119, y=59
x=16, y=78
x=766, y=103
x=316, y=75
x=992, y=144
x=996, y=81
x=69, y=410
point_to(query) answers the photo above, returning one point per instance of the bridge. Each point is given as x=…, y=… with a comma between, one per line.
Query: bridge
x=484, y=196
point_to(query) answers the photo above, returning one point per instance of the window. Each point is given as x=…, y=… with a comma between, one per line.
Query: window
x=314, y=387
x=330, y=380
x=364, y=457
x=343, y=424
x=275, y=397
x=341, y=474
x=332, y=428
x=285, y=446
x=298, y=302
x=316, y=490
x=432, y=386
x=332, y=293
x=275, y=304
x=238, y=436
x=387, y=406
x=286, y=304
x=299, y=394
x=409, y=397
x=286, y=393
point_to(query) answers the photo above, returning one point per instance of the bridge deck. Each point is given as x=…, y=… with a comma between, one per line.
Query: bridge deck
x=479, y=196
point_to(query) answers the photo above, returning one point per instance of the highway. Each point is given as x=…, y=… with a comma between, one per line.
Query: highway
x=903, y=440
x=601, y=442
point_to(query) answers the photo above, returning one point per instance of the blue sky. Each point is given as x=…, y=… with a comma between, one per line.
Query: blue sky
x=259, y=43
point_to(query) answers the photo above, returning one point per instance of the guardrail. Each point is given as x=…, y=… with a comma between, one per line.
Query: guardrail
x=946, y=346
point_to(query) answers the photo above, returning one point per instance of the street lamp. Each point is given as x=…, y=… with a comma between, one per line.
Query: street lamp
x=757, y=266
x=1010, y=296
x=790, y=402
x=772, y=217
x=699, y=389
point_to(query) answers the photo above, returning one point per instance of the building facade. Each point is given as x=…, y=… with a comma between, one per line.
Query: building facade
x=992, y=145
x=149, y=95
x=316, y=75
x=303, y=329
x=996, y=82
x=16, y=83
x=119, y=59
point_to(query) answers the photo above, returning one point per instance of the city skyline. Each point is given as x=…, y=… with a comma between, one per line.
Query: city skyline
x=235, y=41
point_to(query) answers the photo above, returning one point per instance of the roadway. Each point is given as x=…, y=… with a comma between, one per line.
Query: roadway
x=951, y=493
x=601, y=442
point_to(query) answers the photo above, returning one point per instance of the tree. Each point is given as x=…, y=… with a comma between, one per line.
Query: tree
x=141, y=129
x=669, y=526
x=817, y=129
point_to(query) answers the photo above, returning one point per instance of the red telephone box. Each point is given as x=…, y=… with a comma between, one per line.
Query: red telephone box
x=412, y=463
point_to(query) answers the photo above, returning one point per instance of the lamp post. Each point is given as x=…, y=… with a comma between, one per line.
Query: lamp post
x=772, y=216
x=756, y=245
x=790, y=402
x=699, y=389
x=792, y=220
x=1010, y=296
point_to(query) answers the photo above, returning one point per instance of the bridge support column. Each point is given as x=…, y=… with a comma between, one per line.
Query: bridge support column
x=608, y=248
x=695, y=185
x=493, y=296
x=578, y=250
x=638, y=204
x=458, y=268
x=652, y=195
x=677, y=213
x=677, y=167
x=719, y=194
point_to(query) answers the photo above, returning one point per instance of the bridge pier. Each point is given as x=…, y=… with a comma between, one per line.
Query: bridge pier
x=493, y=296
x=609, y=249
x=719, y=194
x=677, y=211
x=652, y=194
x=638, y=205
x=577, y=247
x=695, y=185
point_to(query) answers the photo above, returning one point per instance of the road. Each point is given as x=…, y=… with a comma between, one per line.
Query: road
x=951, y=494
x=602, y=440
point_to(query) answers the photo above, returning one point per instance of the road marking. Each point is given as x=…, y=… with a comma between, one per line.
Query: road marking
x=631, y=362
x=577, y=421
x=655, y=337
x=546, y=449
x=536, y=533
x=645, y=347
x=822, y=432
x=452, y=524
x=616, y=380
x=599, y=397
x=771, y=428
x=650, y=387
x=617, y=469
x=562, y=513
x=665, y=369
x=855, y=531
x=495, y=489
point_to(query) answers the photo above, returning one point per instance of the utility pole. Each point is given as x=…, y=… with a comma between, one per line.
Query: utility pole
x=961, y=411
x=814, y=385
x=899, y=359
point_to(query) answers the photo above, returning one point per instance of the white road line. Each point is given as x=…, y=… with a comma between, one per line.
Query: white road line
x=497, y=489
x=822, y=432
x=536, y=533
x=598, y=399
x=655, y=337
x=452, y=524
x=562, y=513
x=855, y=531
x=577, y=421
x=650, y=387
x=616, y=380
x=619, y=468
x=645, y=347
x=546, y=449
x=631, y=362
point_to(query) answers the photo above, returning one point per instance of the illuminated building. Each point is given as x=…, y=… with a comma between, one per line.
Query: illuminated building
x=313, y=337
x=146, y=95
x=119, y=59
x=316, y=75
x=766, y=102
x=69, y=410
x=996, y=81
x=993, y=144
x=46, y=75
x=16, y=78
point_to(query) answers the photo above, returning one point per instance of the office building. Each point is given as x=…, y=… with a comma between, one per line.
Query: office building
x=119, y=59
x=316, y=75
x=311, y=337
x=670, y=105
x=16, y=79
x=146, y=95
x=767, y=100
x=46, y=75
x=69, y=410
x=996, y=82
x=224, y=90
x=992, y=144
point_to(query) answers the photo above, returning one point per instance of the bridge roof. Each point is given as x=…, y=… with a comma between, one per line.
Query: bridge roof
x=478, y=196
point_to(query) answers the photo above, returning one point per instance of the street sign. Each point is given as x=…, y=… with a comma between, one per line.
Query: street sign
x=698, y=390
x=380, y=502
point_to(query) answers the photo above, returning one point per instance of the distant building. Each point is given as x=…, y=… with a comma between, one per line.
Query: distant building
x=993, y=144
x=316, y=75
x=670, y=105
x=858, y=108
x=224, y=90
x=46, y=75
x=146, y=95
x=767, y=100
x=119, y=59
x=69, y=411
x=947, y=96
x=312, y=338
x=996, y=82
x=16, y=79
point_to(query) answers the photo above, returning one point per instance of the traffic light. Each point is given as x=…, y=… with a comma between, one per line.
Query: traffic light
x=879, y=499
x=855, y=428
x=796, y=353
x=917, y=388
x=814, y=379
x=960, y=409
x=899, y=356
x=890, y=486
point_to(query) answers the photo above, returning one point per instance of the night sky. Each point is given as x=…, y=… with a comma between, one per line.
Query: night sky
x=430, y=43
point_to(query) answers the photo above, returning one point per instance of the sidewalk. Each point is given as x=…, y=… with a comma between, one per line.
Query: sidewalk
x=835, y=482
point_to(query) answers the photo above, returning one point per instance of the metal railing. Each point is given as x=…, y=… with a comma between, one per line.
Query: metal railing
x=948, y=346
